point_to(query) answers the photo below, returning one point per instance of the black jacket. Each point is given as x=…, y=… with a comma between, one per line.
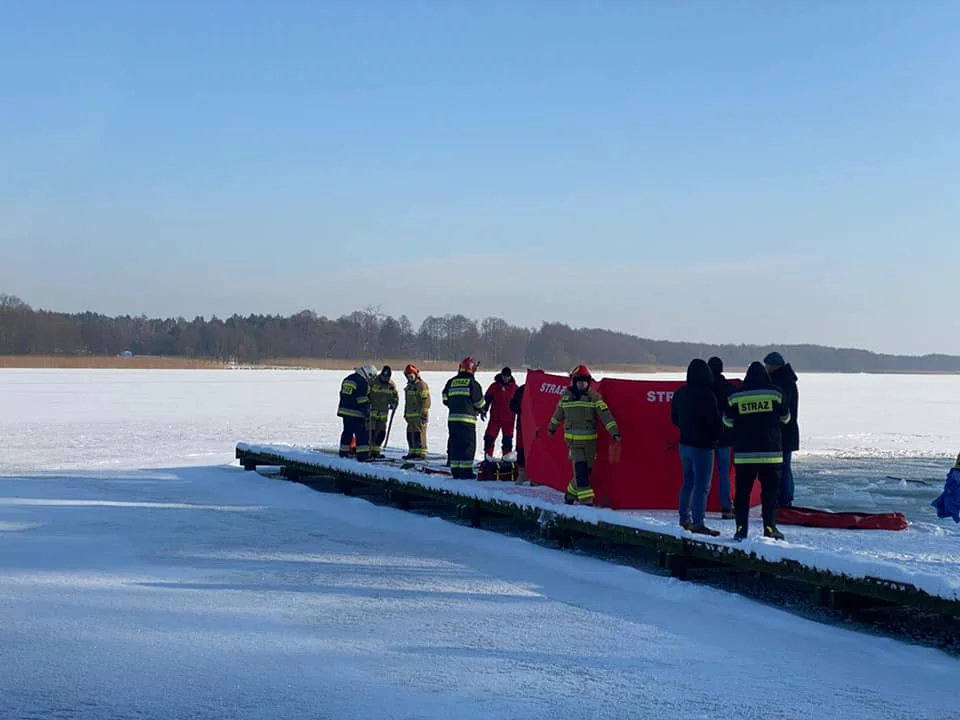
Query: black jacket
x=694, y=408
x=786, y=379
x=354, y=397
x=723, y=389
x=463, y=397
x=516, y=402
x=756, y=413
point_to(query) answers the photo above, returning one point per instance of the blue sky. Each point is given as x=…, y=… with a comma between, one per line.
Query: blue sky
x=718, y=171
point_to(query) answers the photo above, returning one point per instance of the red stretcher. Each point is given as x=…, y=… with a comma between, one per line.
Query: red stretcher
x=811, y=517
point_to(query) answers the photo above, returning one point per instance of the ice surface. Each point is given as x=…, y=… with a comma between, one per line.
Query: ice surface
x=214, y=593
x=140, y=580
x=925, y=554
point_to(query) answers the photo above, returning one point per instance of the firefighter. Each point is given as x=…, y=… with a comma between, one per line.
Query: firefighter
x=416, y=411
x=756, y=413
x=580, y=408
x=502, y=418
x=384, y=398
x=354, y=408
x=463, y=397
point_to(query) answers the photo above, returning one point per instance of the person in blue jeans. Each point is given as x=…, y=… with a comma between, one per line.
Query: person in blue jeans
x=694, y=410
x=784, y=377
x=722, y=389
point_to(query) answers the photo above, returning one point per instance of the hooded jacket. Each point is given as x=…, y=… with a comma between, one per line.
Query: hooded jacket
x=786, y=379
x=756, y=413
x=499, y=396
x=723, y=389
x=694, y=408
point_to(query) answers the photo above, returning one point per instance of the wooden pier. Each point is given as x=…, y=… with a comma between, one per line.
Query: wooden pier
x=564, y=525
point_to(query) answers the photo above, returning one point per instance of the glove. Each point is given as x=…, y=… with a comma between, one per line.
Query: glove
x=616, y=438
x=551, y=432
x=392, y=406
x=483, y=416
x=424, y=419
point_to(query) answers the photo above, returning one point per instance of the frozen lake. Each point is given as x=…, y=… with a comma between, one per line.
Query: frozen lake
x=869, y=442
x=141, y=576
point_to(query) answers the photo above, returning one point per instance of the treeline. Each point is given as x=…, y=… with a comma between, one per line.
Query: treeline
x=371, y=334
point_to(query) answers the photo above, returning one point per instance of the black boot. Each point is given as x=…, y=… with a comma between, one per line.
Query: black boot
x=770, y=531
x=702, y=529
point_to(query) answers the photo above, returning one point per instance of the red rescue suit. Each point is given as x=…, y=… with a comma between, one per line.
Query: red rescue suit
x=502, y=418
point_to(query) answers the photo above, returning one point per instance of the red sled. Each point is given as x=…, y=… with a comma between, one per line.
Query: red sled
x=811, y=517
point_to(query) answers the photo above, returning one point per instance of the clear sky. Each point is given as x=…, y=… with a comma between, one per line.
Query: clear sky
x=714, y=170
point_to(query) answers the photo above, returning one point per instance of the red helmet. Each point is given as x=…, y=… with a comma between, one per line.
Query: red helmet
x=581, y=372
x=411, y=369
x=469, y=365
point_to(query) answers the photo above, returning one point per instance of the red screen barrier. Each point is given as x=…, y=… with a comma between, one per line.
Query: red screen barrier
x=644, y=473
x=546, y=459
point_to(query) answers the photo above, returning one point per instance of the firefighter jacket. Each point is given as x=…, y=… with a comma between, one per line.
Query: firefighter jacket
x=463, y=396
x=580, y=411
x=499, y=397
x=417, y=396
x=383, y=396
x=354, y=397
x=756, y=413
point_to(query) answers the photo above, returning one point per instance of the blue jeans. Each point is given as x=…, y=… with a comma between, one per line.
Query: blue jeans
x=786, y=480
x=697, y=472
x=723, y=462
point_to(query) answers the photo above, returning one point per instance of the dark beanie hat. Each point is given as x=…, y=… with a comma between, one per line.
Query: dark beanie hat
x=715, y=364
x=506, y=372
x=775, y=359
x=386, y=372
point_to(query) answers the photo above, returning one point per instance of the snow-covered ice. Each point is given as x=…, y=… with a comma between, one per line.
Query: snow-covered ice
x=141, y=575
x=925, y=555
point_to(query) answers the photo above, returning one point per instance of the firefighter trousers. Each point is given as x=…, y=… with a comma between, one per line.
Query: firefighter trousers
x=769, y=477
x=416, y=437
x=378, y=433
x=354, y=427
x=583, y=454
x=462, y=447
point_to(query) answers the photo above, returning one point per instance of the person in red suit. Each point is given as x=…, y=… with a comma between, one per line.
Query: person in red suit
x=502, y=417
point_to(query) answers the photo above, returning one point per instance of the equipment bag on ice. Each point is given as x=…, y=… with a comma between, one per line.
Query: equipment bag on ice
x=497, y=470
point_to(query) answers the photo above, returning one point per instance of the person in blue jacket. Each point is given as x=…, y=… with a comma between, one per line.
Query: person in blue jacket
x=948, y=504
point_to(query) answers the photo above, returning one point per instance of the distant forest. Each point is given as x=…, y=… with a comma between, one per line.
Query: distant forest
x=369, y=334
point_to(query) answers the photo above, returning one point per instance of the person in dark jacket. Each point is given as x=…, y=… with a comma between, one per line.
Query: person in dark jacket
x=354, y=410
x=722, y=388
x=785, y=378
x=516, y=406
x=694, y=410
x=756, y=413
x=463, y=397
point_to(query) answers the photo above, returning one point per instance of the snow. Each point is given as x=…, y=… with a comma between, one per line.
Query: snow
x=142, y=574
x=923, y=555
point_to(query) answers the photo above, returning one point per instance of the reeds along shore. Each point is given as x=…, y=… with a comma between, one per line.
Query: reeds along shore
x=150, y=362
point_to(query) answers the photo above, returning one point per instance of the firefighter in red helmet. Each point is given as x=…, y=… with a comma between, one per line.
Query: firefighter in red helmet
x=581, y=409
x=463, y=397
x=416, y=411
